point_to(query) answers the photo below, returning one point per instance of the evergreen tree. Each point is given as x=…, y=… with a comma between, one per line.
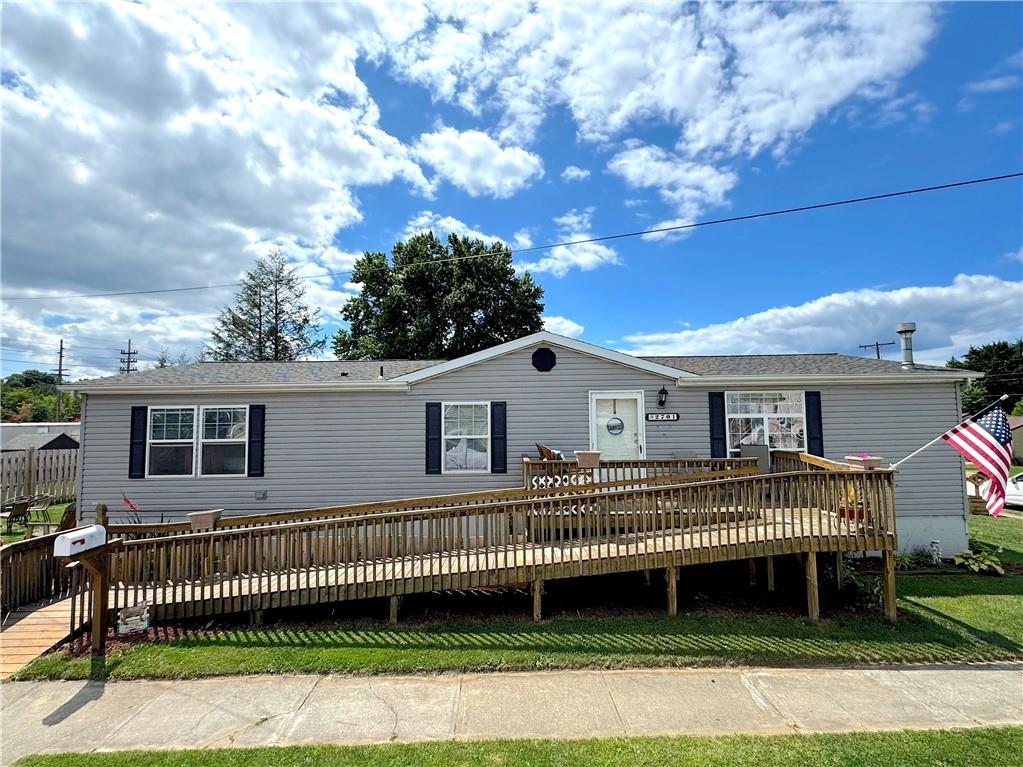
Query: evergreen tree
x=269, y=320
x=437, y=301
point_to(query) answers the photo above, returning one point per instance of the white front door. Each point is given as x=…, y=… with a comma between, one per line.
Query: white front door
x=616, y=424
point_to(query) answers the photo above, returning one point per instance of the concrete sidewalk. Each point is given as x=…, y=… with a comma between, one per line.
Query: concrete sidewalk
x=47, y=717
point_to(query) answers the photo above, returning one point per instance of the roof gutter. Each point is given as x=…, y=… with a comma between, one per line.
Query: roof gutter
x=804, y=380
x=232, y=388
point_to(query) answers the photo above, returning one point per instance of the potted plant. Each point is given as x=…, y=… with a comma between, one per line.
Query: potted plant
x=588, y=459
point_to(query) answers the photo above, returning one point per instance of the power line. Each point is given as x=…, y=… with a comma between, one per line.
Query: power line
x=568, y=243
x=876, y=346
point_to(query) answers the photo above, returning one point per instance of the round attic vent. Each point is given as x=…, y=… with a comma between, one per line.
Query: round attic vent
x=544, y=359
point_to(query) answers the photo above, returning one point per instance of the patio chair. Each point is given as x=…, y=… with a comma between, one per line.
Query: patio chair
x=15, y=510
x=39, y=506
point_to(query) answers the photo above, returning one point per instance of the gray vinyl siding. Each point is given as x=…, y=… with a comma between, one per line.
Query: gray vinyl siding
x=333, y=448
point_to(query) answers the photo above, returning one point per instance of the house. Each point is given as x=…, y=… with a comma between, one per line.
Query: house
x=10, y=429
x=42, y=441
x=253, y=437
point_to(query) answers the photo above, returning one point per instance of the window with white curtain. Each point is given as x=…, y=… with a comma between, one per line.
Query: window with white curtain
x=466, y=437
x=776, y=419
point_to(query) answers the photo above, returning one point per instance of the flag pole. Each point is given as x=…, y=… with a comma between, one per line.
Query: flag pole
x=979, y=413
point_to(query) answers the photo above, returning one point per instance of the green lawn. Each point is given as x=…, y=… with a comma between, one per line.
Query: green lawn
x=1002, y=532
x=990, y=747
x=53, y=513
x=956, y=617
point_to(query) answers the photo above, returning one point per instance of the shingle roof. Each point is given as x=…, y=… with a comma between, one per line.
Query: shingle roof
x=26, y=441
x=789, y=364
x=242, y=373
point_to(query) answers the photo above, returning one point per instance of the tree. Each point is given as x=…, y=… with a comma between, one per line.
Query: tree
x=31, y=396
x=437, y=301
x=163, y=359
x=270, y=320
x=1001, y=362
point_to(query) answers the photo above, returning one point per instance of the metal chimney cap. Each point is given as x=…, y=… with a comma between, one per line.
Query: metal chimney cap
x=905, y=327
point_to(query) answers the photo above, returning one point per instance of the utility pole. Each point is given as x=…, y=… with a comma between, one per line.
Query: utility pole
x=128, y=359
x=876, y=346
x=60, y=378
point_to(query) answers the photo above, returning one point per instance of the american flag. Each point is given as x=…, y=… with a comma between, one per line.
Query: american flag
x=984, y=440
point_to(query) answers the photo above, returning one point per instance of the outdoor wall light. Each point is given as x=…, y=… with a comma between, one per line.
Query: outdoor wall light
x=662, y=397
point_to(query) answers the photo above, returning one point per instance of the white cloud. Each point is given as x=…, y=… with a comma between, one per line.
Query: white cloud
x=562, y=326
x=1015, y=255
x=474, y=162
x=574, y=173
x=972, y=310
x=993, y=84
x=688, y=187
x=428, y=221
x=574, y=225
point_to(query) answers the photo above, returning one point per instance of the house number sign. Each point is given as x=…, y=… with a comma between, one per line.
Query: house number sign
x=662, y=416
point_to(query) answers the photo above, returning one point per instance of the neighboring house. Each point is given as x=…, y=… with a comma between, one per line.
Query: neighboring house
x=45, y=441
x=1016, y=446
x=251, y=437
x=9, y=429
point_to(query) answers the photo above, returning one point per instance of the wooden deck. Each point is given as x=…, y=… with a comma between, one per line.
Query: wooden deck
x=498, y=538
x=32, y=631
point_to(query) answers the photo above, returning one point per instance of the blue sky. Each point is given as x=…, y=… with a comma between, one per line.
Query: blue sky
x=165, y=147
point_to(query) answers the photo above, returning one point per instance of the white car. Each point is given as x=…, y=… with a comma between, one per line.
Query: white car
x=1013, y=491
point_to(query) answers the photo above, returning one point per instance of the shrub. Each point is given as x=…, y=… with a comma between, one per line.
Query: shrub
x=980, y=559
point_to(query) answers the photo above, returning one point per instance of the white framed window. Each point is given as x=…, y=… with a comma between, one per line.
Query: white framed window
x=773, y=418
x=170, y=441
x=465, y=437
x=223, y=440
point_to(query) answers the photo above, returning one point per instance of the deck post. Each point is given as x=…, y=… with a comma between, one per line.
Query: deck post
x=888, y=562
x=393, y=603
x=813, y=605
x=839, y=570
x=537, y=599
x=671, y=575
x=770, y=572
x=646, y=578
x=752, y=571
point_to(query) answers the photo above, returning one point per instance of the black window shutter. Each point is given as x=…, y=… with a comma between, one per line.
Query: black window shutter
x=257, y=439
x=137, y=442
x=498, y=438
x=433, y=438
x=814, y=426
x=718, y=435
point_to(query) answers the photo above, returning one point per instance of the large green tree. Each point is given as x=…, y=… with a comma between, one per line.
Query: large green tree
x=436, y=300
x=269, y=320
x=1001, y=362
x=31, y=395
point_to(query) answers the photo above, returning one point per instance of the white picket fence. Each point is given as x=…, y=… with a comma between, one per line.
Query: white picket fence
x=28, y=472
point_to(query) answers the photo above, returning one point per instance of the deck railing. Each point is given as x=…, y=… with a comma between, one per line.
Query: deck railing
x=29, y=573
x=395, y=552
x=540, y=474
x=785, y=460
x=579, y=483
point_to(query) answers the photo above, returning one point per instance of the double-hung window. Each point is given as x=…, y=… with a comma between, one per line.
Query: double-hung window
x=171, y=444
x=466, y=437
x=224, y=440
x=776, y=419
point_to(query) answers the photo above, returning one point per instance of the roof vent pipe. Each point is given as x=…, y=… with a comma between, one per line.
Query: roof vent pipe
x=905, y=331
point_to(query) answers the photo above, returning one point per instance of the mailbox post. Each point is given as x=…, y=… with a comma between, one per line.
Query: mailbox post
x=89, y=546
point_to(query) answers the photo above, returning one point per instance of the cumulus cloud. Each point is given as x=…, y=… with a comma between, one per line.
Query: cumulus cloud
x=574, y=173
x=574, y=225
x=562, y=326
x=974, y=309
x=428, y=221
x=688, y=187
x=475, y=163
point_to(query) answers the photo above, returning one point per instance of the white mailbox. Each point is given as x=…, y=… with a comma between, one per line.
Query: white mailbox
x=77, y=541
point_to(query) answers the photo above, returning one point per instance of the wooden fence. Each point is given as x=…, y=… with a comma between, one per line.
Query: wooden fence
x=539, y=474
x=29, y=573
x=395, y=552
x=28, y=472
